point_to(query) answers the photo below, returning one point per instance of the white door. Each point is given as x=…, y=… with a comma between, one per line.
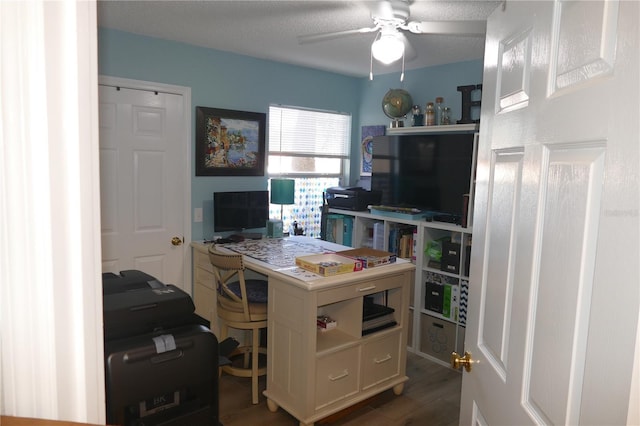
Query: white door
x=142, y=152
x=554, y=293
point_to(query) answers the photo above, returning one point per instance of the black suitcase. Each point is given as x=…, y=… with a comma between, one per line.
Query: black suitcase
x=163, y=378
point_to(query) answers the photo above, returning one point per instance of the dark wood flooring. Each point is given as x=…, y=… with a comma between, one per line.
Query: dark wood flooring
x=430, y=397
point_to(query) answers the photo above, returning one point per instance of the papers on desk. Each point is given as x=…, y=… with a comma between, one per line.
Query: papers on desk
x=299, y=273
x=278, y=252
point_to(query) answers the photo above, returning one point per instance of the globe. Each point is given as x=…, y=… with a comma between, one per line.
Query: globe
x=396, y=103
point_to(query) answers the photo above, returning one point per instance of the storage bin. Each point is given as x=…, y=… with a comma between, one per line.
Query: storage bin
x=437, y=337
x=450, y=261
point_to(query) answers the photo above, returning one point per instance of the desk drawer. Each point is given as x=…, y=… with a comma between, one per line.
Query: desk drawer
x=360, y=289
x=204, y=277
x=202, y=260
x=381, y=359
x=337, y=376
x=204, y=299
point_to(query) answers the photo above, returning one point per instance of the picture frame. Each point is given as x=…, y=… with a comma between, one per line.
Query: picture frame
x=229, y=142
x=366, y=147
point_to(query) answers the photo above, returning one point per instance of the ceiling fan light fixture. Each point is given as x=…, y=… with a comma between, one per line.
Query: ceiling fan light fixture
x=388, y=48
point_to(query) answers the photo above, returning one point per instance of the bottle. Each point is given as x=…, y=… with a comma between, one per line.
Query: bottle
x=438, y=106
x=430, y=114
x=446, y=116
x=418, y=118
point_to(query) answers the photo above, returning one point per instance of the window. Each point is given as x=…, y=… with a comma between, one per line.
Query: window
x=311, y=147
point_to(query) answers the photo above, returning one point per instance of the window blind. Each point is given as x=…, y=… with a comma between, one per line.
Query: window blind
x=298, y=131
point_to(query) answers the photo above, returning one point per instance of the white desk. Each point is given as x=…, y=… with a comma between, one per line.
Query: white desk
x=313, y=374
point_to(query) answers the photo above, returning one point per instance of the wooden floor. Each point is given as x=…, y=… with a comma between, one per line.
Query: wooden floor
x=430, y=397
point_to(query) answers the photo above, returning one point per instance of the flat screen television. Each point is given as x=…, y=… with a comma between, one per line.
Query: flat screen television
x=428, y=172
x=240, y=210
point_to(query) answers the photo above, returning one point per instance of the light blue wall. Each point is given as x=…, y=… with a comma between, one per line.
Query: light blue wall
x=225, y=80
x=424, y=85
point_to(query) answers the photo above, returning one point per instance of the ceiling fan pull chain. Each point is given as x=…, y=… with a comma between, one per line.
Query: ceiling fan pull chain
x=371, y=66
x=371, y=56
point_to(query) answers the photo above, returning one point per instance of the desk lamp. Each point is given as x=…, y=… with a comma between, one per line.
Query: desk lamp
x=282, y=192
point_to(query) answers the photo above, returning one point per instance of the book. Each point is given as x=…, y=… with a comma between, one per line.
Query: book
x=450, y=302
x=401, y=240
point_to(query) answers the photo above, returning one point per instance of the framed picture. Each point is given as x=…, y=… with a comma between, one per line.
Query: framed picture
x=229, y=143
x=368, y=132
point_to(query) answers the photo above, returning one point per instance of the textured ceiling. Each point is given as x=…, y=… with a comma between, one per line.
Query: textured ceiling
x=268, y=29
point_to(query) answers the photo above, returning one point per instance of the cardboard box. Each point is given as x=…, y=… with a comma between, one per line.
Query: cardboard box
x=328, y=264
x=437, y=337
x=370, y=257
x=325, y=323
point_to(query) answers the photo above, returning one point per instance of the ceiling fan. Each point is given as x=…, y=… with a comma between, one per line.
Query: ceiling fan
x=390, y=20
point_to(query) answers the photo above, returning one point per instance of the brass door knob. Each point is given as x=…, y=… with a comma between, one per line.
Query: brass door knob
x=176, y=241
x=457, y=361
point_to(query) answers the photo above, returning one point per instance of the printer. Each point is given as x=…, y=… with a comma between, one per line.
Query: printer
x=352, y=198
x=135, y=303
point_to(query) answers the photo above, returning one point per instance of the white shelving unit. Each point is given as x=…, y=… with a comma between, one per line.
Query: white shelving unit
x=434, y=333
x=423, y=130
x=437, y=324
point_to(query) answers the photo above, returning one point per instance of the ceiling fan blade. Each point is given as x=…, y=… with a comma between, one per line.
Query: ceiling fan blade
x=313, y=38
x=463, y=28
